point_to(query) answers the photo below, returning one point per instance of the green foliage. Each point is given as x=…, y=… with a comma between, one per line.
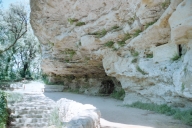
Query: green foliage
x=134, y=60
x=184, y=116
x=100, y=34
x=114, y=27
x=149, y=24
x=71, y=21
x=70, y=52
x=109, y=44
x=134, y=53
x=14, y=97
x=182, y=87
x=126, y=37
x=165, y=4
x=121, y=43
x=80, y=23
x=140, y=70
x=118, y=94
x=175, y=57
x=54, y=118
x=149, y=55
x=3, y=109
x=137, y=32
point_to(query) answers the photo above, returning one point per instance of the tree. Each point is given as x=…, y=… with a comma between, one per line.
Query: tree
x=13, y=26
x=19, y=48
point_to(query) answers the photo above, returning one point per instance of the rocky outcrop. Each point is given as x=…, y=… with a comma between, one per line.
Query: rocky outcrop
x=144, y=44
x=77, y=115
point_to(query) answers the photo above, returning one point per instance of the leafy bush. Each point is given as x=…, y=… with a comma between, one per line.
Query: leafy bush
x=118, y=94
x=184, y=116
x=3, y=109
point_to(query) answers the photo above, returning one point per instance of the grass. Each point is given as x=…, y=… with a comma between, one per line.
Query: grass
x=149, y=24
x=184, y=116
x=109, y=44
x=54, y=118
x=140, y=70
x=121, y=43
x=134, y=53
x=71, y=21
x=80, y=23
x=149, y=55
x=70, y=52
x=118, y=94
x=175, y=57
x=99, y=34
x=137, y=32
x=14, y=97
x=165, y=4
x=134, y=60
x=126, y=37
x=182, y=87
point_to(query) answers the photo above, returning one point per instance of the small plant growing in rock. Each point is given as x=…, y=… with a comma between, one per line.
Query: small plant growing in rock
x=99, y=34
x=121, y=43
x=70, y=52
x=149, y=24
x=54, y=118
x=140, y=70
x=182, y=87
x=118, y=94
x=175, y=57
x=80, y=23
x=71, y=21
x=109, y=44
x=165, y=4
x=134, y=60
x=137, y=32
x=149, y=55
x=134, y=53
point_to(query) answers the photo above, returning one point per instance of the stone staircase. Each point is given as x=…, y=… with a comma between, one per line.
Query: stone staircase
x=32, y=112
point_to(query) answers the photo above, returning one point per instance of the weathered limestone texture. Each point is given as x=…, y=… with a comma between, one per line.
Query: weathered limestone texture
x=77, y=115
x=134, y=41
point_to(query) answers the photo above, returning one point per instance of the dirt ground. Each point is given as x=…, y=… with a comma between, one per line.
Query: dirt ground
x=113, y=113
x=113, y=110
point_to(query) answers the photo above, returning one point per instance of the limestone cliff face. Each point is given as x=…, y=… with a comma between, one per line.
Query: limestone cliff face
x=144, y=44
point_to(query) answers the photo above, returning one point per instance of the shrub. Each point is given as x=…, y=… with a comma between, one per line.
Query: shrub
x=175, y=57
x=109, y=44
x=184, y=116
x=80, y=23
x=118, y=94
x=3, y=109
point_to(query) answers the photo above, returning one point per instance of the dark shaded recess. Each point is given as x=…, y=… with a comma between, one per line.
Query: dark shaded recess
x=180, y=50
x=107, y=87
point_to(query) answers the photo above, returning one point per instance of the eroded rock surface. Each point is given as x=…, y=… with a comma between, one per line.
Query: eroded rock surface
x=83, y=40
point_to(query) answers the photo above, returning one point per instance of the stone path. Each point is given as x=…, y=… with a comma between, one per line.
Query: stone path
x=32, y=112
